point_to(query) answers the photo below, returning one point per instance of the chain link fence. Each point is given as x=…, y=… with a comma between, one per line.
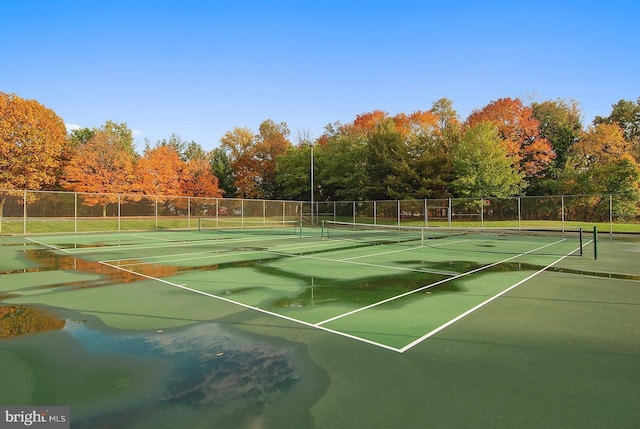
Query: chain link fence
x=32, y=212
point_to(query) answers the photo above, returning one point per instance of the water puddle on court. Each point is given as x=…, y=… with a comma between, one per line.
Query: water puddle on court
x=210, y=372
x=168, y=378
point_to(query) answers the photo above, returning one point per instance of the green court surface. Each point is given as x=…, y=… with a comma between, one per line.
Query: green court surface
x=251, y=328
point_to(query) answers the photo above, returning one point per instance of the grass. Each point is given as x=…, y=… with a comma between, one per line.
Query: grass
x=16, y=226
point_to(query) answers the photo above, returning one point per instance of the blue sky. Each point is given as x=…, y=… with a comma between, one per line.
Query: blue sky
x=201, y=68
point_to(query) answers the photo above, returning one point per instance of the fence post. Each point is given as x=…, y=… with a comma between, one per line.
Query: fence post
x=119, y=211
x=375, y=213
x=610, y=214
x=519, y=214
x=426, y=214
x=353, y=211
x=75, y=212
x=562, y=217
x=24, y=213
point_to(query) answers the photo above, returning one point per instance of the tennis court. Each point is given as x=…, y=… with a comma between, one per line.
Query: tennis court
x=413, y=327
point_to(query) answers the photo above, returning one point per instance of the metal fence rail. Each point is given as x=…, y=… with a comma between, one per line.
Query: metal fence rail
x=28, y=212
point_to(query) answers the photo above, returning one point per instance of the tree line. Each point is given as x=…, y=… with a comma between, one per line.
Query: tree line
x=503, y=149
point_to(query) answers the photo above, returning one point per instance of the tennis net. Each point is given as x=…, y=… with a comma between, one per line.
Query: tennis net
x=498, y=240
x=249, y=226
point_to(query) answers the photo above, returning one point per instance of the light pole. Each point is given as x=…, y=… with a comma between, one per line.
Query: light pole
x=312, y=184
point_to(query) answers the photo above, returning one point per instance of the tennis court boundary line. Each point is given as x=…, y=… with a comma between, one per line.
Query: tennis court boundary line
x=411, y=292
x=477, y=307
x=258, y=309
x=320, y=325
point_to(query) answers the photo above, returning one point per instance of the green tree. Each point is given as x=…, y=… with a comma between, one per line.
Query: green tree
x=293, y=173
x=124, y=134
x=340, y=164
x=560, y=123
x=387, y=166
x=186, y=150
x=482, y=165
x=221, y=168
x=80, y=136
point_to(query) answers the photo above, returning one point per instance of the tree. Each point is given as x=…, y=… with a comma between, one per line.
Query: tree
x=483, y=166
x=271, y=142
x=221, y=168
x=340, y=166
x=124, y=134
x=239, y=144
x=367, y=122
x=626, y=114
x=428, y=139
x=560, y=123
x=253, y=157
x=198, y=180
x=387, y=166
x=186, y=150
x=518, y=127
x=81, y=136
x=32, y=144
x=159, y=171
x=293, y=173
x=101, y=167
x=597, y=146
x=599, y=165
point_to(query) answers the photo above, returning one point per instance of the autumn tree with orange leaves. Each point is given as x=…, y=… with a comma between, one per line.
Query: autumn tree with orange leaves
x=253, y=157
x=102, y=167
x=161, y=172
x=519, y=130
x=32, y=145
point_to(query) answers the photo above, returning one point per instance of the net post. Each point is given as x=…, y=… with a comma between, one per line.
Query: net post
x=580, y=232
x=595, y=242
x=199, y=224
x=322, y=230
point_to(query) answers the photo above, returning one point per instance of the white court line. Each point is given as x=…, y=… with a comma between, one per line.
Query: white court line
x=345, y=261
x=384, y=301
x=261, y=310
x=47, y=245
x=207, y=254
x=344, y=334
x=193, y=243
x=151, y=238
x=482, y=304
x=381, y=253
